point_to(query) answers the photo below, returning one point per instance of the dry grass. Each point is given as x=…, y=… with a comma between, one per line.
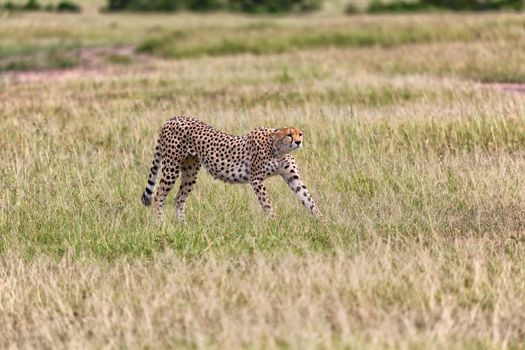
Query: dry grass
x=448, y=295
x=417, y=167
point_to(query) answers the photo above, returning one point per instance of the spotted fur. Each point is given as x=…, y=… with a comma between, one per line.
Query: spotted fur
x=185, y=144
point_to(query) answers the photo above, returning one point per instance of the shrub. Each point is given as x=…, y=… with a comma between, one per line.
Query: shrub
x=351, y=9
x=144, y=5
x=10, y=6
x=67, y=6
x=397, y=6
x=274, y=6
x=34, y=5
x=31, y=5
x=249, y=6
x=454, y=5
x=204, y=5
x=475, y=5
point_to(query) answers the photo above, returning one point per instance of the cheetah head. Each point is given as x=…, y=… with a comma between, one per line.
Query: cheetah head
x=287, y=139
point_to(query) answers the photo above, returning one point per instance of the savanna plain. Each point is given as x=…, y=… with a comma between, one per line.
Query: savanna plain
x=414, y=151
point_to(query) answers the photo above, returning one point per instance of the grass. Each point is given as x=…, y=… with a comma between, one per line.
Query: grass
x=351, y=33
x=53, y=59
x=415, y=164
x=211, y=301
x=50, y=40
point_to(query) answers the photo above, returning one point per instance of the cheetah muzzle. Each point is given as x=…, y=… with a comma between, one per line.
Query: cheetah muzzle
x=185, y=144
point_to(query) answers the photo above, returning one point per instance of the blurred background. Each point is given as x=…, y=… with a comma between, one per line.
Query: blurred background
x=58, y=34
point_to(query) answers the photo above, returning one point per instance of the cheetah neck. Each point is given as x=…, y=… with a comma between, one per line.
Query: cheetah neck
x=276, y=152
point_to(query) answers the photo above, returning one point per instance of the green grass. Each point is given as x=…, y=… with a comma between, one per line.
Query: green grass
x=48, y=60
x=78, y=221
x=217, y=41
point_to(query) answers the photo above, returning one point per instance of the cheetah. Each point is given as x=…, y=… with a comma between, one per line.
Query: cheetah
x=185, y=144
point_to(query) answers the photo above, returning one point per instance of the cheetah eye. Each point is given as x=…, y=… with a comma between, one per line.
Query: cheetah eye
x=289, y=135
x=301, y=134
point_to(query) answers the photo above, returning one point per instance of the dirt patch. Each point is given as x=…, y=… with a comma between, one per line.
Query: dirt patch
x=518, y=88
x=100, y=56
x=46, y=74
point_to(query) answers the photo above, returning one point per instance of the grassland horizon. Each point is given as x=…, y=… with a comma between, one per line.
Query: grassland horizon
x=412, y=151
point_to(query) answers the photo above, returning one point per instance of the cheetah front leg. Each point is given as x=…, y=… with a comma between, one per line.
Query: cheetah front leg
x=262, y=196
x=290, y=173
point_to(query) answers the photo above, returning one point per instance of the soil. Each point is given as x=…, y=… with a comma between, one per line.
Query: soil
x=509, y=87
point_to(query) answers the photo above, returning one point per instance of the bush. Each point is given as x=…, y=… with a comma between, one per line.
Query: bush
x=10, y=6
x=67, y=6
x=454, y=5
x=144, y=5
x=34, y=5
x=397, y=6
x=249, y=6
x=475, y=5
x=31, y=5
x=274, y=6
x=204, y=5
x=351, y=9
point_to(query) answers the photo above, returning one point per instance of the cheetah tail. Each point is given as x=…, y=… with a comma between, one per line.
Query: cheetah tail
x=148, y=192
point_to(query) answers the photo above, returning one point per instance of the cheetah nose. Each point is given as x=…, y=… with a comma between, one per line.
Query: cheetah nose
x=297, y=142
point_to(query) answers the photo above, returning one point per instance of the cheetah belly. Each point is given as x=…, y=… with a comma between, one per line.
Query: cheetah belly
x=230, y=173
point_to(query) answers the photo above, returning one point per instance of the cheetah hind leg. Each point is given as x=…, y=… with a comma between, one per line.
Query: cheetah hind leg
x=262, y=196
x=189, y=170
x=170, y=172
